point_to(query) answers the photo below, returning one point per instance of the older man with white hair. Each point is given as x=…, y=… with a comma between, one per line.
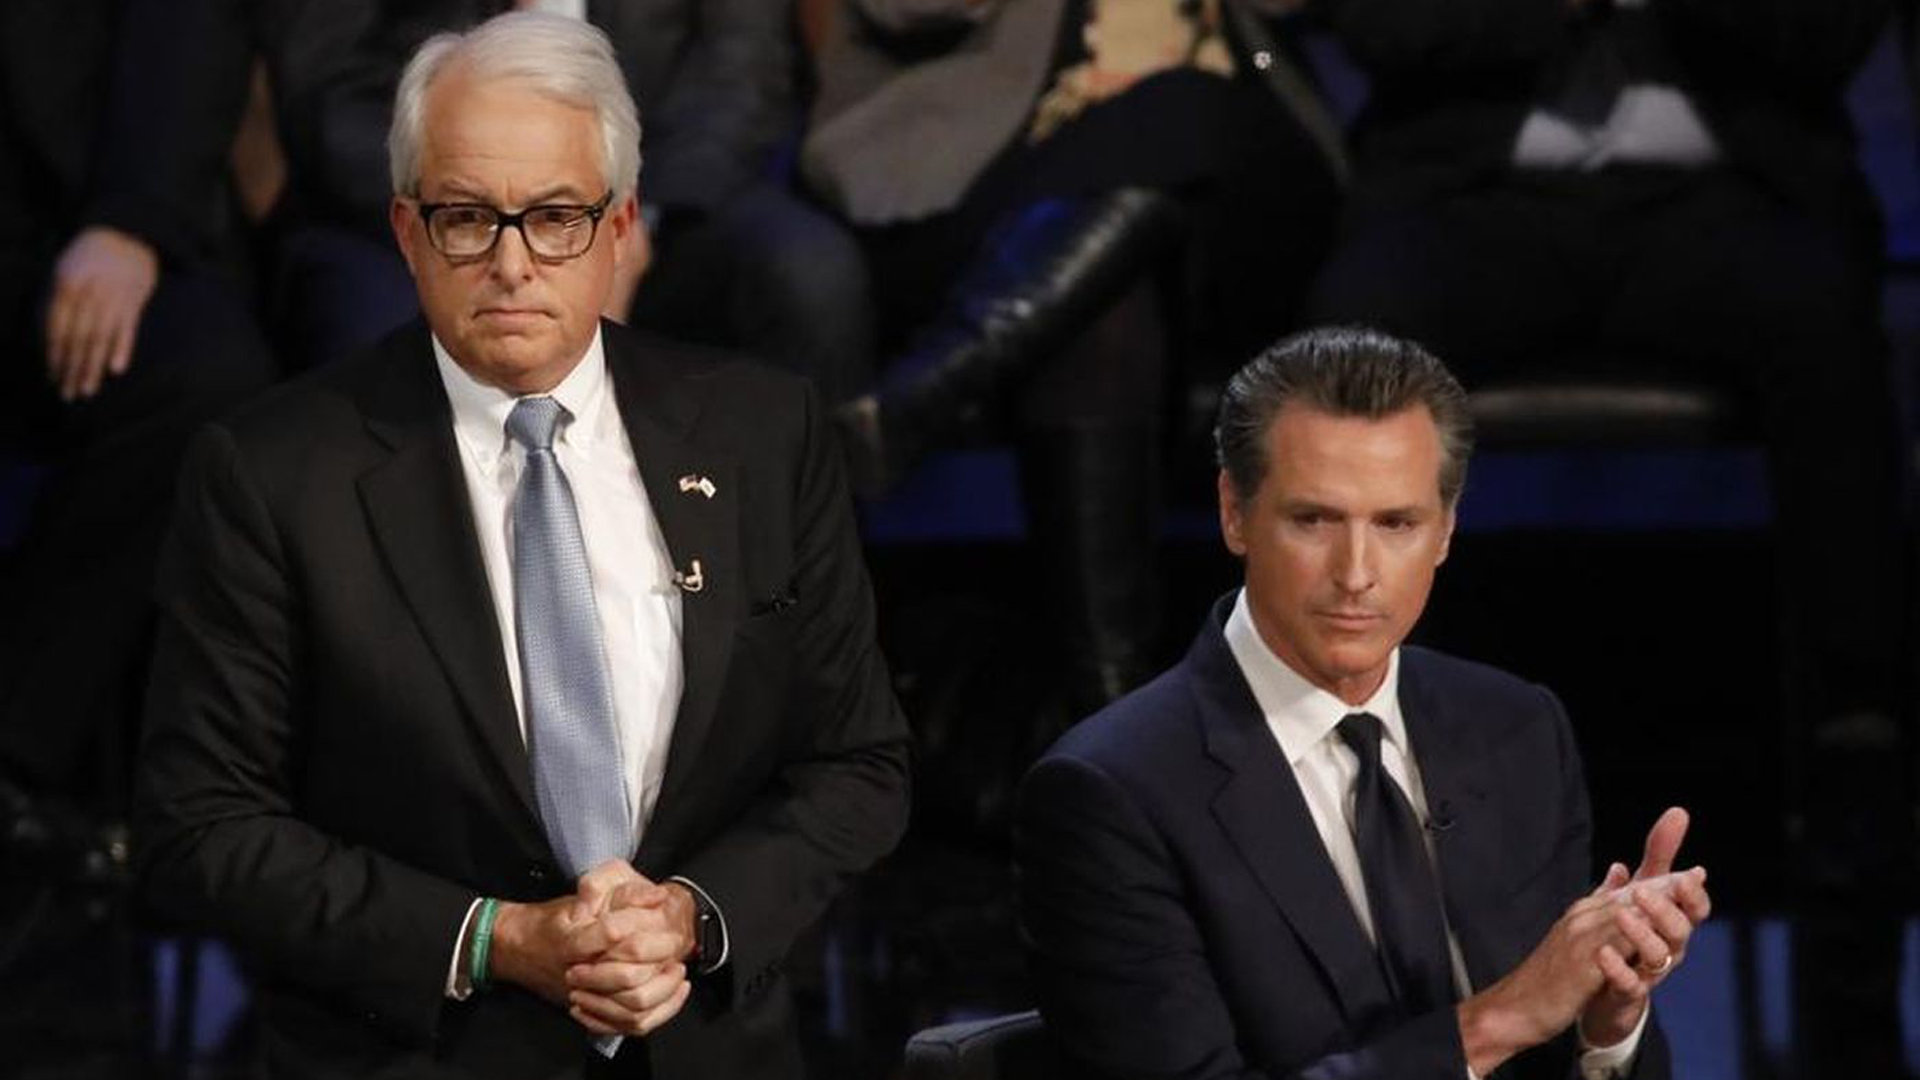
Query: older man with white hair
x=518, y=701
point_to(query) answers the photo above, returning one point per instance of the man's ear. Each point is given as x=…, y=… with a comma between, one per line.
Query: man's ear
x=1446, y=539
x=1232, y=517
x=408, y=230
x=634, y=250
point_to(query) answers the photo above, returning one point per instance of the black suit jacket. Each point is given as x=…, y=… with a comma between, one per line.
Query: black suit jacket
x=714, y=80
x=1182, y=917
x=1452, y=80
x=332, y=768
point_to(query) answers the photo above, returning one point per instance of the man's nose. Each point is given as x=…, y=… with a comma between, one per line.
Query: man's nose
x=1354, y=556
x=511, y=261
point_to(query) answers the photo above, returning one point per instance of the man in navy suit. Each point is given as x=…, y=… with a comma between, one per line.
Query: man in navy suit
x=1307, y=850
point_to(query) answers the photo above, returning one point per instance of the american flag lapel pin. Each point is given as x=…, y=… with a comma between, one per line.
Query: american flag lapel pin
x=696, y=482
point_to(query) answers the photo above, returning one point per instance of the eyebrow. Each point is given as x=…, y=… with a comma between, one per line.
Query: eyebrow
x=460, y=191
x=1300, y=506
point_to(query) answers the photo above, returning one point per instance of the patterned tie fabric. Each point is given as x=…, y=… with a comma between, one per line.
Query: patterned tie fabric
x=1409, y=924
x=571, y=737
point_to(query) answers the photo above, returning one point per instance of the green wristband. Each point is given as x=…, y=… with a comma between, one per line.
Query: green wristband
x=482, y=943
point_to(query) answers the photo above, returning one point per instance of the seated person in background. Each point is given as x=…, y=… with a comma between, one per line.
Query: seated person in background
x=123, y=333
x=1308, y=850
x=517, y=701
x=1672, y=183
x=737, y=259
x=120, y=334
x=1049, y=193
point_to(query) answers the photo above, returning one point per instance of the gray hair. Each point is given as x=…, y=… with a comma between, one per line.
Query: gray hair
x=1345, y=371
x=567, y=60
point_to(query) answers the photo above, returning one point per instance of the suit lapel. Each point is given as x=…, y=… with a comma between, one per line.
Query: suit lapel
x=700, y=523
x=1265, y=816
x=418, y=510
x=1454, y=767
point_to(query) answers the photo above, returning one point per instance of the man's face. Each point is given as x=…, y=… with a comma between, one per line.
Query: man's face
x=510, y=318
x=1341, y=540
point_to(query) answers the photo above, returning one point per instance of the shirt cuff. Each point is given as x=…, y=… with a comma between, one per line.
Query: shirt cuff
x=460, y=989
x=709, y=967
x=1606, y=1062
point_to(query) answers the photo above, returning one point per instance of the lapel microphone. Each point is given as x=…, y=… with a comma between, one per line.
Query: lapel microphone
x=691, y=580
x=1441, y=819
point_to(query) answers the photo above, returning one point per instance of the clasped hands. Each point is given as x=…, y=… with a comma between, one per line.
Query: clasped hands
x=1599, y=962
x=613, y=954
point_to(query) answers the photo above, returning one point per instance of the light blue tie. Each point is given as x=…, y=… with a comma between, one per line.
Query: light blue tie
x=571, y=737
x=563, y=664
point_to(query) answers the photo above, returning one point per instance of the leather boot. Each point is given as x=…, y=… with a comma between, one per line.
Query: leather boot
x=1042, y=276
x=1092, y=496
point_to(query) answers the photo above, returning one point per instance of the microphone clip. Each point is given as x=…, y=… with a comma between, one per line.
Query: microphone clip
x=693, y=579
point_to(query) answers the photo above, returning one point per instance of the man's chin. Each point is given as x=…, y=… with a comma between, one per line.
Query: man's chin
x=514, y=362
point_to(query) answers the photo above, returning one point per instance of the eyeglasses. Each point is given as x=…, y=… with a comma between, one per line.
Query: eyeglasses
x=552, y=231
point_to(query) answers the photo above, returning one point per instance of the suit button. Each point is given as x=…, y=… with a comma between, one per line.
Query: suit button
x=537, y=874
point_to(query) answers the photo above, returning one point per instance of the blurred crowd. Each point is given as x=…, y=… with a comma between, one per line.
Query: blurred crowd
x=1037, y=221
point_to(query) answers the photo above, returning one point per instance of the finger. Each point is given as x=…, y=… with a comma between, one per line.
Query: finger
x=653, y=947
x=609, y=977
x=124, y=337
x=1663, y=842
x=588, y=940
x=1691, y=894
x=1621, y=978
x=666, y=1010
x=1616, y=876
x=597, y=884
x=585, y=1020
x=640, y=893
x=1666, y=918
x=87, y=345
x=1648, y=950
x=83, y=375
x=100, y=343
x=654, y=991
x=604, y=1009
x=72, y=358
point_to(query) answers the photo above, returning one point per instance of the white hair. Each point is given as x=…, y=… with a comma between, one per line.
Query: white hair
x=567, y=60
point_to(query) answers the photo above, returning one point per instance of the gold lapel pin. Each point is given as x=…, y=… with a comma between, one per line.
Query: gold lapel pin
x=696, y=482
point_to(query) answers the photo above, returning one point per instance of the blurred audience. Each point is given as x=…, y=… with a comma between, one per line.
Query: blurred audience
x=1050, y=193
x=736, y=259
x=122, y=331
x=1671, y=184
x=125, y=330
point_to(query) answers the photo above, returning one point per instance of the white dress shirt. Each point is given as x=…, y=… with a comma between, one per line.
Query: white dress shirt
x=1651, y=123
x=634, y=594
x=1303, y=719
x=633, y=591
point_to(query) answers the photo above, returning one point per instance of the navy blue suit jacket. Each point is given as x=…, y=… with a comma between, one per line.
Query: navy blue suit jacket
x=1183, y=919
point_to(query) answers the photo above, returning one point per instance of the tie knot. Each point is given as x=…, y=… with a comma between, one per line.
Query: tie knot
x=1362, y=732
x=533, y=420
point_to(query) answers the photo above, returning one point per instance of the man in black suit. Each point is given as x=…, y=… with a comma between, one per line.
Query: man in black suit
x=1309, y=851
x=517, y=700
x=1671, y=186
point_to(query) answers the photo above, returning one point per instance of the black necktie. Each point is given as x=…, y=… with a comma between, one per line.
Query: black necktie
x=1409, y=927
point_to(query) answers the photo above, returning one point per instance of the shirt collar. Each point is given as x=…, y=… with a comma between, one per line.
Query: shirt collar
x=480, y=411
x=1301, y=714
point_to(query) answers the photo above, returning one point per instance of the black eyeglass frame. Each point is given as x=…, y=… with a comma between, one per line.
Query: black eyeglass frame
x=503, y=221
